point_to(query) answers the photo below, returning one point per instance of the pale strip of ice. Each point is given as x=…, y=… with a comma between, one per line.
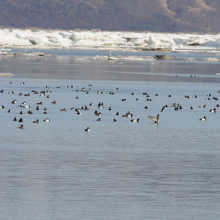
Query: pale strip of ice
x=108, y=40
x=6, y=74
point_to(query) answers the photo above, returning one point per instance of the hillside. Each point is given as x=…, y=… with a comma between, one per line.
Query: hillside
x=134, y=15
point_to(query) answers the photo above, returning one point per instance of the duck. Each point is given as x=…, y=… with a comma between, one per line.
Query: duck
x=117, y=113
x=135, y=120
x=20, y=120
x=191, y=107
x=63, y=110
x=87, y=129
x=114, y=120
x=54, y=102
x=21, y=127
x=47, y=120
x=86, y=108
x=155, y=119
x=99, y=119
x=9, y=111
x=14, y=101
x=203, y=119
x=15, y=119
x=202, y=106
x=213, y=110
x=37, y=121
x=26, y=106
x=110, y=108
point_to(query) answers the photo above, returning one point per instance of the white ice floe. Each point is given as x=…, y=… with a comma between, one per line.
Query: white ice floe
x=104, y=40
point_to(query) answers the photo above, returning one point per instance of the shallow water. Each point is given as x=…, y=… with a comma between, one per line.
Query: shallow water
x=119, y=170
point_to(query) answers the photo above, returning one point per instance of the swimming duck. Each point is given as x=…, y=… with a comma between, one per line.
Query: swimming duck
x=37, y=121
x=203, y=119
x=47, y=120
x=87, y=129
x=21, y=127
x=20, y=120
x=202, y=106
x=213, y=110
x=14, y=101
x=135, y=120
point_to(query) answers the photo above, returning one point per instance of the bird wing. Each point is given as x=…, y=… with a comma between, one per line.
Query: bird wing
x=152, y=118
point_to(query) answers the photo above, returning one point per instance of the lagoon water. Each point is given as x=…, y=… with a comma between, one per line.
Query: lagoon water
x=118, y=170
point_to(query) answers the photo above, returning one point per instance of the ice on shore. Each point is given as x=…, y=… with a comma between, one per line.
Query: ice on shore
x=103, y=39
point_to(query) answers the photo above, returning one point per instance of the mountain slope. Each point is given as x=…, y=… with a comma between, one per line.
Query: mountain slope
x=134, y=15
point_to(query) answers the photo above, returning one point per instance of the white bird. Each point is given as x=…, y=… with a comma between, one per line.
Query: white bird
x=155, y=119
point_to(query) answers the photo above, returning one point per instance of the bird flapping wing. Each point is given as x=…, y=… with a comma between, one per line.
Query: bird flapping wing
x=152, y=118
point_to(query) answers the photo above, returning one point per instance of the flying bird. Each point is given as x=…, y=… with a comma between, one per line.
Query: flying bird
x=155, y=119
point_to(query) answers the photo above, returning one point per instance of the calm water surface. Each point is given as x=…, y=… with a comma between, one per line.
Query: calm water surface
x=119, y=170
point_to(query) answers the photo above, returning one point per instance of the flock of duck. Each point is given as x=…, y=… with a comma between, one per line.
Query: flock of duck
x=155, y=119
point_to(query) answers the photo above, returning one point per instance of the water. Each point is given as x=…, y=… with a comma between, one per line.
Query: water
x=119, y=170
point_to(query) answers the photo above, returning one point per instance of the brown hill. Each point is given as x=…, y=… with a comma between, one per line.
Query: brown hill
x=134, y=15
